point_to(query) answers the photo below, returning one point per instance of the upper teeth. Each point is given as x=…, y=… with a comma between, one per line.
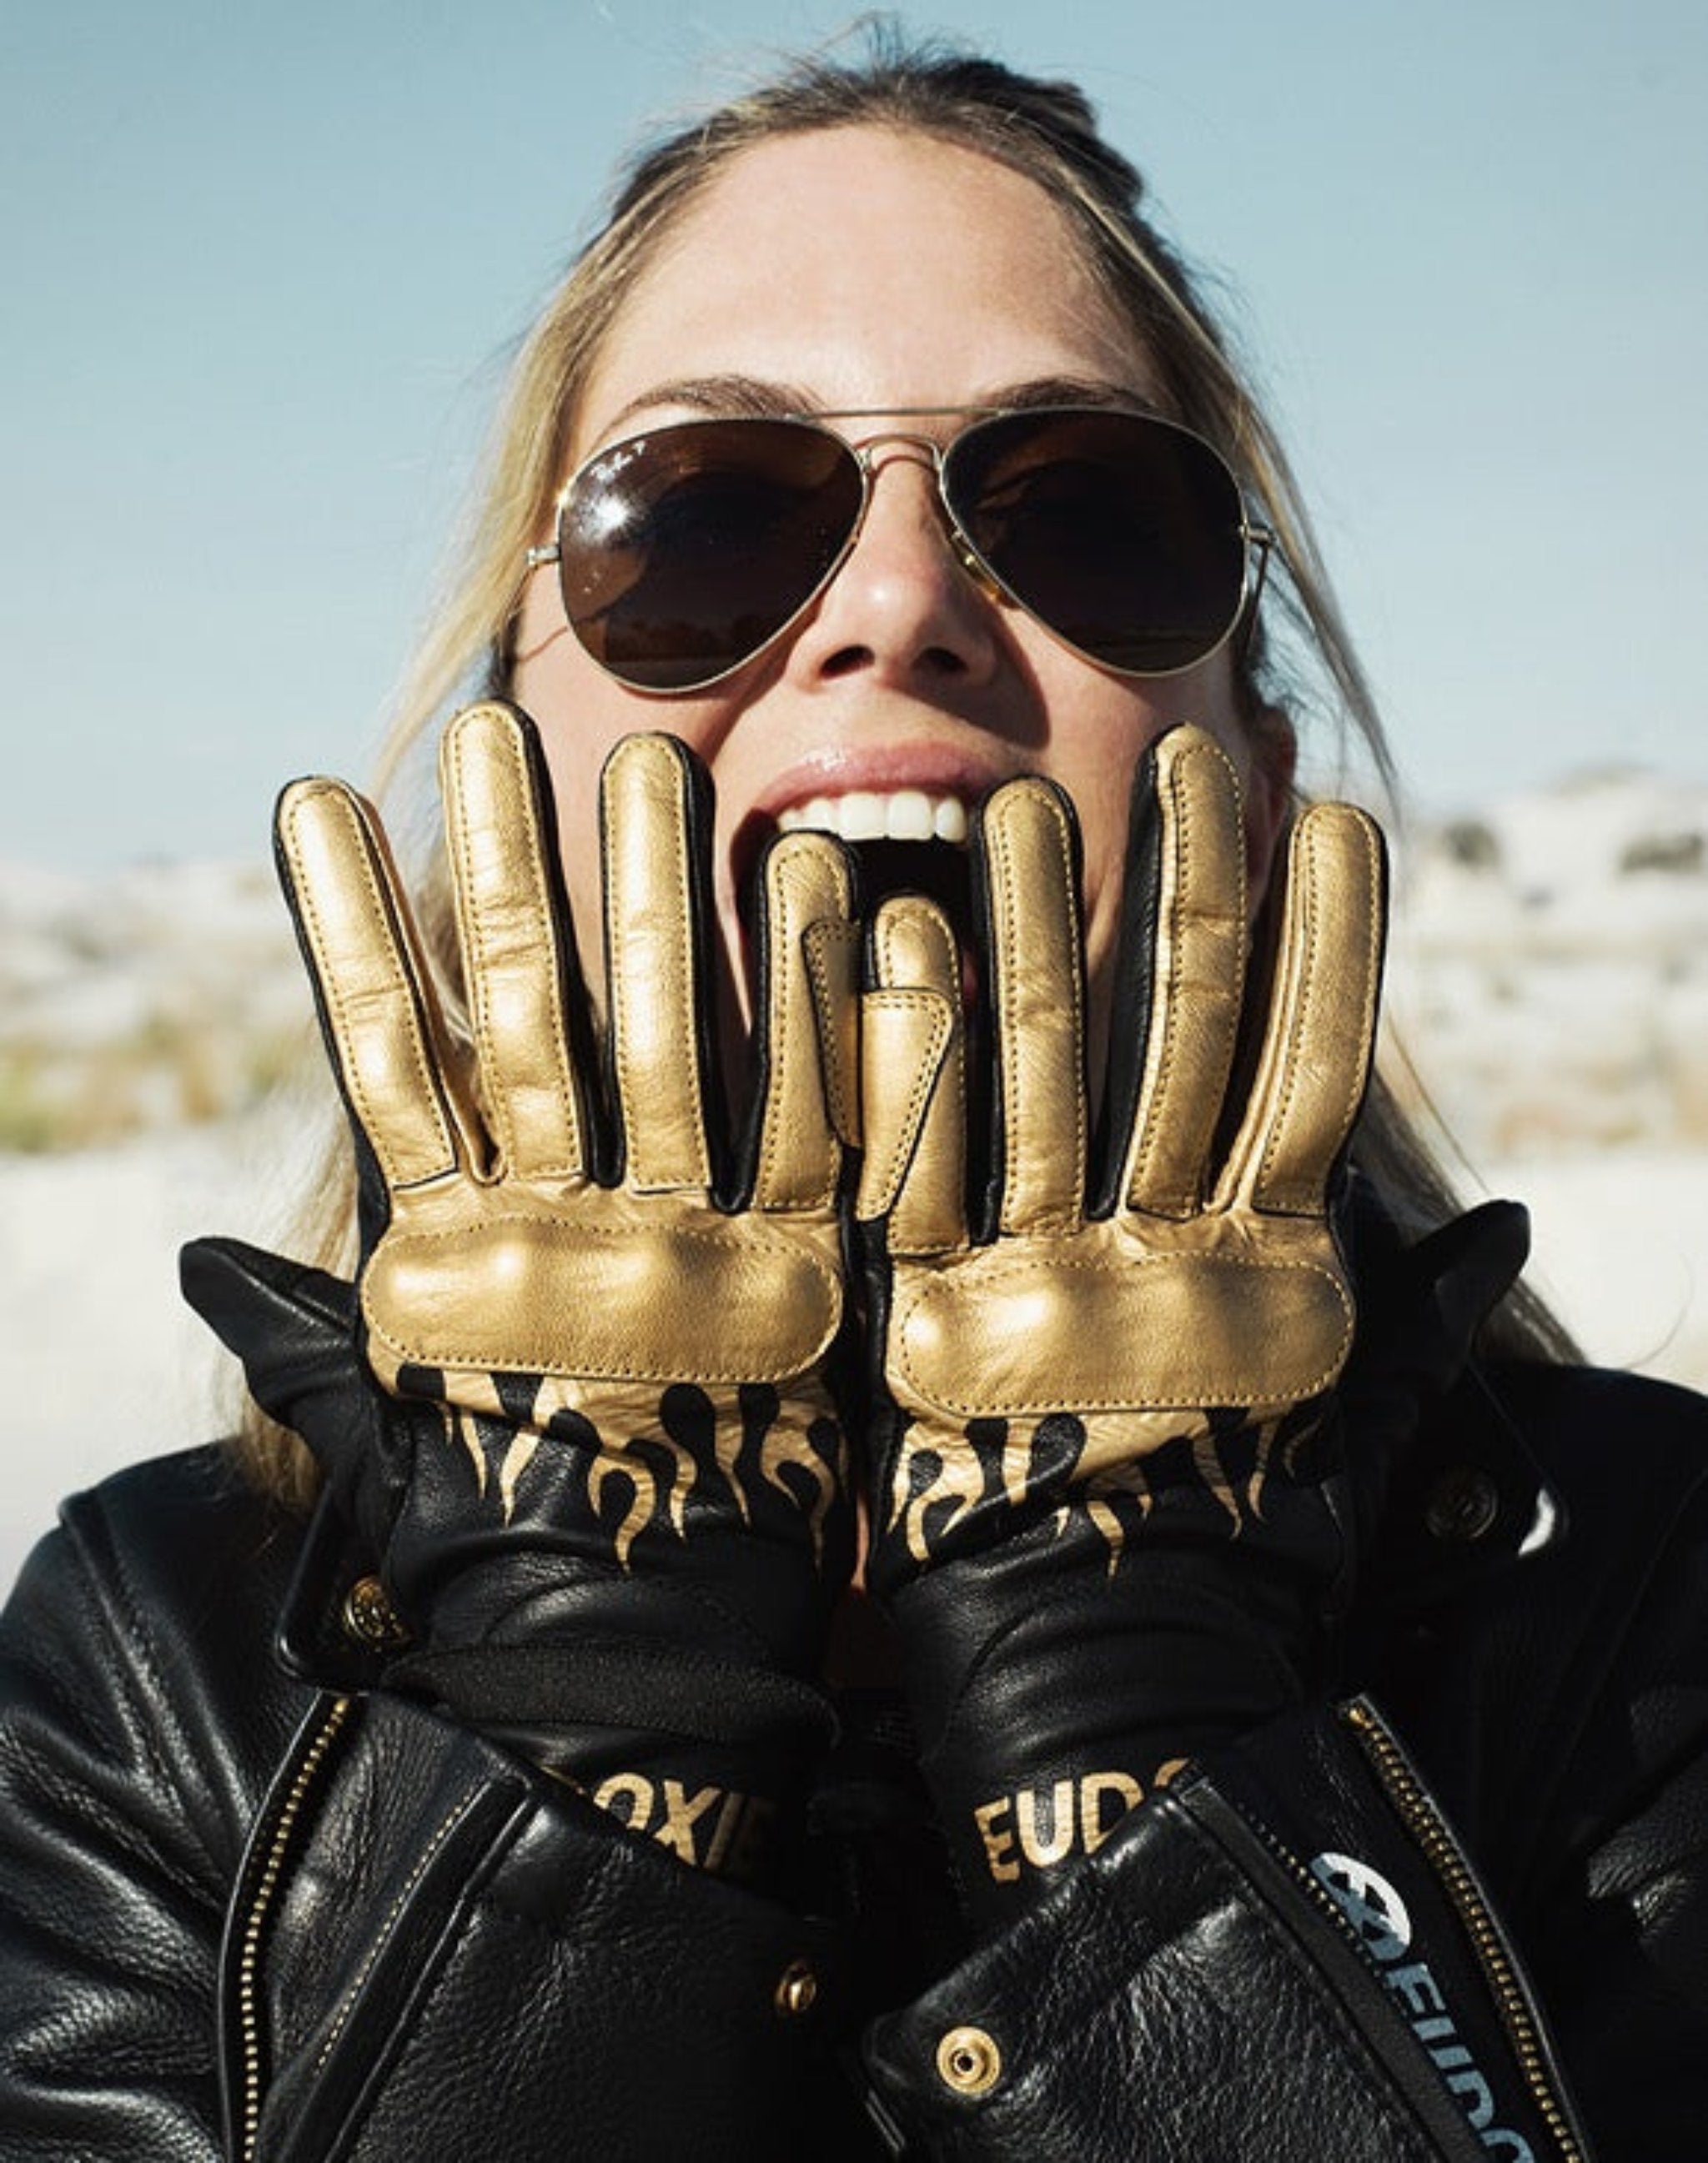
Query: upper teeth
x=863, y=815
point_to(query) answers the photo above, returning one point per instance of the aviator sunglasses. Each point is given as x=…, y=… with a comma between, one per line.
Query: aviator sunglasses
x=682, y=553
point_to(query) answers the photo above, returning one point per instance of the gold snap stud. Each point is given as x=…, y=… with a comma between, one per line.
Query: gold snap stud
x=797, y=1991
x=369, y=1617
x=969, y=2061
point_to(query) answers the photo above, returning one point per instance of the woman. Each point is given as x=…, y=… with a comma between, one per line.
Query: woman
x=1302, y=1752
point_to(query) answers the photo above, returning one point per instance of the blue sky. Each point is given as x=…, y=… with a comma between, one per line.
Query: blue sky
x=262, y=265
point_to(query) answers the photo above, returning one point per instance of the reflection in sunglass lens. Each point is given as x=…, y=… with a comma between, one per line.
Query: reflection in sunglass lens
x=1123, y=533
x=685, y=551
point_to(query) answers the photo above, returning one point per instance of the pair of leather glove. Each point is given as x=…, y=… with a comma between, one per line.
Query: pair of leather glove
x=603, y=1394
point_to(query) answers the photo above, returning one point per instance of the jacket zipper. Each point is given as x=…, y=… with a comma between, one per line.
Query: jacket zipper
x=260, y=1906
x=1424, y=1822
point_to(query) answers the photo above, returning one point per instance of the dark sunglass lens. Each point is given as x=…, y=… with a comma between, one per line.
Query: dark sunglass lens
x=1122, y=533
x=685, y=550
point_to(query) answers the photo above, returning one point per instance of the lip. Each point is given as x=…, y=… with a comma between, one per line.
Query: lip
x=935, y=769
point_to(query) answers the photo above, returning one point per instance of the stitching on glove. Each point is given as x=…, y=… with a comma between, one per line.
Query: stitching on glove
x=480, y=990
x=1011, y=942
x=839, y=1076
x=927, y=1072
x=751, y=1246
x=1217, y=1389
x=641, y=1175
x=1184, y=1200
x=374, y=1126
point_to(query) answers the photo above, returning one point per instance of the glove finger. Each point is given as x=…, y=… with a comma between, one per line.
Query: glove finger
x=1319, y=1037
x=293, y=1327
x=377, y=1010
x=654, y=824
x=1180, y=980
x=913, y=1081
x=807, y=1021
x=517, y=952
x=1028, y=855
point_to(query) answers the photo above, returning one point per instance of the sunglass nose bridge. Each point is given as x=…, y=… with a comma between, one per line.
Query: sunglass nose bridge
x=895, y=445
x=926, y=451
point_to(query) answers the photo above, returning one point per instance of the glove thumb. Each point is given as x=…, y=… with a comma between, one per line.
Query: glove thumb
x=294, y=1328
x=1463, y=1271
x=1422, y=1315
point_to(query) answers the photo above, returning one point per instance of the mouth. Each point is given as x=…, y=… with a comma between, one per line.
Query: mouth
x=869, y=814
x=903, y=840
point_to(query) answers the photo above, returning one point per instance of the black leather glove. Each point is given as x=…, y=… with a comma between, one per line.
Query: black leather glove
x=580, y=1404
x=1106, y=1506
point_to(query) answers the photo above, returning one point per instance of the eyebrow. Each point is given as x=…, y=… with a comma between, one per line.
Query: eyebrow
x=748, y=395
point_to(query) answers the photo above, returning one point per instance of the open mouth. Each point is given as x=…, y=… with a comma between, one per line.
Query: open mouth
x=940, y=871
x=904, y=840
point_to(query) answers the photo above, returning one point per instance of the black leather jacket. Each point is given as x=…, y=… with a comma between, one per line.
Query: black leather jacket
x=245, y=1913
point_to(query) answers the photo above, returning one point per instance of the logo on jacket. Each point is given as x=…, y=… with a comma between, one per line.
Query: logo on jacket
x=1369, y=1903
x=1379, y=1920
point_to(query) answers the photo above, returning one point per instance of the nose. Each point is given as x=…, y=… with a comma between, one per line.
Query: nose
x=903, y=604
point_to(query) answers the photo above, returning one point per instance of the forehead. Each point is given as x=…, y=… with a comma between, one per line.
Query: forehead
x=868, y=267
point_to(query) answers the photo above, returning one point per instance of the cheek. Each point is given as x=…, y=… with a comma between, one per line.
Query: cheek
x=1096, y=742
x=575, y=732
x=582, y=715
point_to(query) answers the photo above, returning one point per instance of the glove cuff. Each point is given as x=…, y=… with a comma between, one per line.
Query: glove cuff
x=1040, y=1730
x=712, y=1758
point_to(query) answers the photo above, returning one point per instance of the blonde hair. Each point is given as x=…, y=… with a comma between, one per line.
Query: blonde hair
x=1047, y=132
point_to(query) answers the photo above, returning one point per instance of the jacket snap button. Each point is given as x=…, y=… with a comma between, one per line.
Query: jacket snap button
x=797, y=1991
x=370, y=1619
x=969, y=2061
x=1463, y=1506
